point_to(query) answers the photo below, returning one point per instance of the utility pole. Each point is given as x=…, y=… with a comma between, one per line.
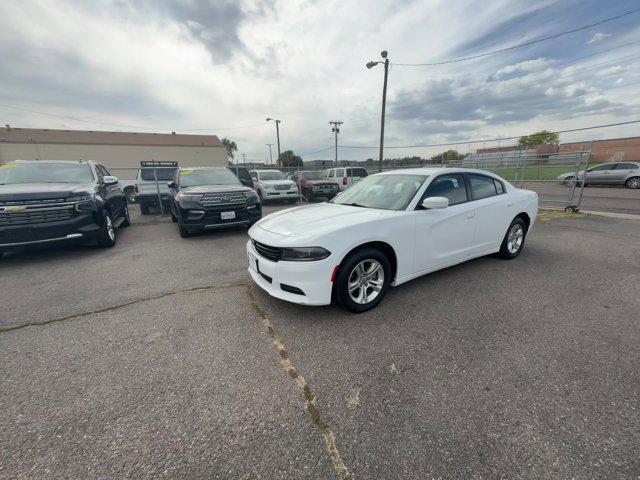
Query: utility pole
x=277, y=135
x=270, y=154
x=336, y=130
x=370, y=65
x=244, y=159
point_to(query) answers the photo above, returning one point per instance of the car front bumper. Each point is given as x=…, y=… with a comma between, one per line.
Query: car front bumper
x=196, y=217
x=82, y=226
x=312, y=279
x=280, y=194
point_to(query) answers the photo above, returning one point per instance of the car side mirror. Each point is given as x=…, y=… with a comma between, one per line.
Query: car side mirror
x=435, y=202
x=109, y=180
x=171, y=184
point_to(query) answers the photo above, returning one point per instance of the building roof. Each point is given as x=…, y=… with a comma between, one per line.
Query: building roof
x=91, y=137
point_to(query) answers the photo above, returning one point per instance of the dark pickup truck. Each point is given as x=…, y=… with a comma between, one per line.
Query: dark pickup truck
x=50, y=201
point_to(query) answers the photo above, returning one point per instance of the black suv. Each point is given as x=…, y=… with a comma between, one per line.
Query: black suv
x=211, y=197
x=54, y=200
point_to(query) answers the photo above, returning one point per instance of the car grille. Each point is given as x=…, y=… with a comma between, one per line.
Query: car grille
x=282, y=187
x=270, y=253
x=324, y=186
x=45, y=201
x=36, y=216
x=231, y=198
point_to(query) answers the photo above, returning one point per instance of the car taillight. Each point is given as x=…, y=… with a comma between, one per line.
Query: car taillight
x=344, y=181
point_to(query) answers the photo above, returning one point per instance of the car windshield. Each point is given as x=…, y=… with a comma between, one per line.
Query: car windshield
x=45, y=173
x=273, y=175
x=162, y=174
x=311, y=175
x=214, y=176
x=383, y=191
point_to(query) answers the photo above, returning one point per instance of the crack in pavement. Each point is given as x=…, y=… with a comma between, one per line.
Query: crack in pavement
x=309, y=395
x=286, y=363
x=74, y=316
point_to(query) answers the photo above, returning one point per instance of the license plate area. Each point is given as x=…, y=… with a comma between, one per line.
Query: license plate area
x=228, y=215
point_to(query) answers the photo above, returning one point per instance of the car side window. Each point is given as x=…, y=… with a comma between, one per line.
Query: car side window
x=104, y=170
x=450, y=186
x=482, y=187
x=499, y=186
x=604, y=166
x=625, y=166
x=99, y=173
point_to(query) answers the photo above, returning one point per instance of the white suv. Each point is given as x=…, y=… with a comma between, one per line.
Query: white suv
x=273, y=185
x=345, y=176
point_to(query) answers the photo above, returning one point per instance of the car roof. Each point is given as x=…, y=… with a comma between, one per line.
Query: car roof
x=267, y=170
x=436, y=170
x=200, y=168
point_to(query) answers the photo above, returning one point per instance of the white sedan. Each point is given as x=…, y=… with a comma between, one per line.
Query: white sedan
x=385, y=230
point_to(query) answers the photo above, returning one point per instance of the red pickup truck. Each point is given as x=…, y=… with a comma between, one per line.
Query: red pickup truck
x=312, y=185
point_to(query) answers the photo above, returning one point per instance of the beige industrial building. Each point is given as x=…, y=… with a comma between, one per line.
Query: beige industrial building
x=120, y=152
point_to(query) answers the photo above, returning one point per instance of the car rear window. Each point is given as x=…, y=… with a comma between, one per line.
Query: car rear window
x=163, y=174
x=482, y=187
x=357, y=172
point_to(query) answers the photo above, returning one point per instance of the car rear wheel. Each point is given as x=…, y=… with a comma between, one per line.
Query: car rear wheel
x=107, y=235
x=633, y=182
x=362, y=280
x=567, y=182
x=513, y=241
x=129, y=193
x=144, y=209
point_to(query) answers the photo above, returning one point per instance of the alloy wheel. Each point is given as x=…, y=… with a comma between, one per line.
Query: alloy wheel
x=110, y=230
x=633, y=182
x=366, y=281
x=515, y=238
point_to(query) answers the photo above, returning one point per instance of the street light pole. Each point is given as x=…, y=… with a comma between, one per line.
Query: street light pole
x=277, y=135
x=370, y=65
x=336, y=130
x=270, y=154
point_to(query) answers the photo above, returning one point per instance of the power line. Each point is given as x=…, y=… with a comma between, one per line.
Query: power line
x=520, y=45
x=139, y=127
x=465, y=142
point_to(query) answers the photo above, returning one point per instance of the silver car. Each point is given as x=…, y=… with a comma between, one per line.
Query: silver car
x=620, y=173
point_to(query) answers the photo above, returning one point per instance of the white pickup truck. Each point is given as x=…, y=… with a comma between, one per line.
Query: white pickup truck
x=146, y=190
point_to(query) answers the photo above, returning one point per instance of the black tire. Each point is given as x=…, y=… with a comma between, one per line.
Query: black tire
x=129, y=194
x=107, y=236
x=567, y=182
x=144, y=209
x=184, y=232
x=308, y=196
x=633, y=182
x=292, y=200
x=347, y=270
x=260, y=196
x=517, y=230
x=127, y=219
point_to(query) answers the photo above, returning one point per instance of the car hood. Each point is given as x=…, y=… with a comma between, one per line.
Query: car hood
x=38, y=191
x=277, y=182
x=216, y=189
x=320, y=219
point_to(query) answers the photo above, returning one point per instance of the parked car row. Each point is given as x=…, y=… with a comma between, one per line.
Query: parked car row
x=385, y=230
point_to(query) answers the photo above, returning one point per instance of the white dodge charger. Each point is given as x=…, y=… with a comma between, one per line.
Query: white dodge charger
x=385, y=230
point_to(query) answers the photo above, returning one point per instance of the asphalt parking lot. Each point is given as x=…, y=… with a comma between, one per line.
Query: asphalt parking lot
x=159, y=359
x=598, y=199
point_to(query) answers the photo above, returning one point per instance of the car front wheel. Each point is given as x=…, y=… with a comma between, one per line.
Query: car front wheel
x=107, y=235
x=363, y=280
x=633, y=182
x=513, y=241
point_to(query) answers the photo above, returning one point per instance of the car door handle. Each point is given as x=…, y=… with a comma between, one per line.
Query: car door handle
x=471, y=215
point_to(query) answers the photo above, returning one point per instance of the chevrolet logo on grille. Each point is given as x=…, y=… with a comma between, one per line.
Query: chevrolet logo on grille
x=15, y=209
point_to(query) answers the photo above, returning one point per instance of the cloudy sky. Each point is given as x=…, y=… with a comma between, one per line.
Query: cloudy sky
x=221, y=67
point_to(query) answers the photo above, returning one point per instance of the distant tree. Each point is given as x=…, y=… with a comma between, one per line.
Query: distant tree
x=448, y=155
x=290, y=159
x=231, y=147
x=539, y=138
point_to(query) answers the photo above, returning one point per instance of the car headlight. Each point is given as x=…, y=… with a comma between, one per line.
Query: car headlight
x=252, y=195
x=269, y=187
x=82, y=197
x=188, y=197
x=303, y=254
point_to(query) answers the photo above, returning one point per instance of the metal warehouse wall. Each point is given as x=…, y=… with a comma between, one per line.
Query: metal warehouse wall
x=122, y=159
